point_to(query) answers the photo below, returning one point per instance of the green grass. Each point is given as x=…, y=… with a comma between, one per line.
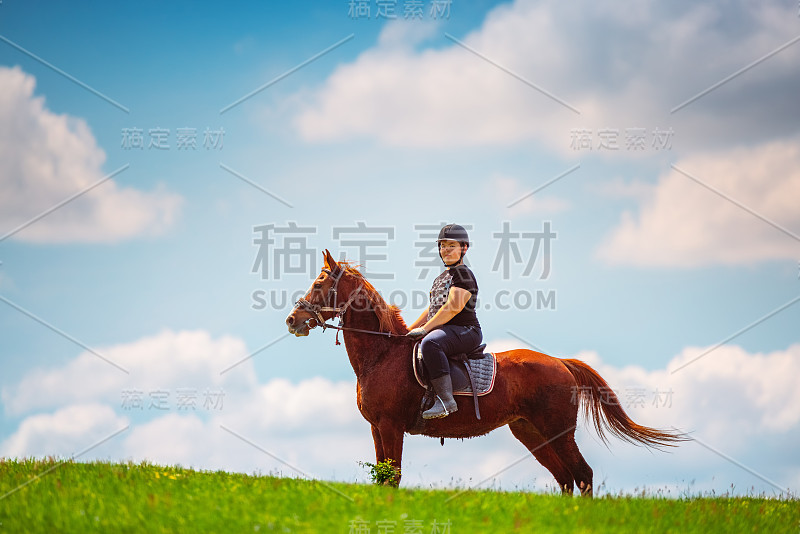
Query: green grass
x=108, y=497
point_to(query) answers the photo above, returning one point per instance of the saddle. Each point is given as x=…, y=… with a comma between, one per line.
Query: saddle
x=472, y=374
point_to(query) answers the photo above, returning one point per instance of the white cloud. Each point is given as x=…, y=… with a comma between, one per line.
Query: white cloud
x=736, y=404
x=46, y=158
x=709, y=394
x=432, y=98
x=316, y=401
x=164, y=362
x=714, y=393
x=245, y=446
x=313, y=424
x=170, y=440
x=741, y=404
x=621, y=67
x=684, y=224
x=66, y=432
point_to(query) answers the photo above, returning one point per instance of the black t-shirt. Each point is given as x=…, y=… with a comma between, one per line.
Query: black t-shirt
x=458, y=276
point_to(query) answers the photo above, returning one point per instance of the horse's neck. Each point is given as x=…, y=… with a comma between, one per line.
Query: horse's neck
x=365, y=351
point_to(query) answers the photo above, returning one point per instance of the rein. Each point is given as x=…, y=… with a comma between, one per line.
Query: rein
x=377, y=332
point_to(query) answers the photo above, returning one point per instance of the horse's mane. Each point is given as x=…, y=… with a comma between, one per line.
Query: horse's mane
x=388, y=315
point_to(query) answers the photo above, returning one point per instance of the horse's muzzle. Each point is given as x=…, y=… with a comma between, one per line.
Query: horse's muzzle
x=301, y=329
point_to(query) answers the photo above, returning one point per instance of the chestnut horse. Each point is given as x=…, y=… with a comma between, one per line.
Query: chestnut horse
x=536, y=395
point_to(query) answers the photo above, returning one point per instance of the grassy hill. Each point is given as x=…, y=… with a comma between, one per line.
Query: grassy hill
x=50, y=496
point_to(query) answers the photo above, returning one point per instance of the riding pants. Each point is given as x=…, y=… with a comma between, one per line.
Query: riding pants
x=444, y=340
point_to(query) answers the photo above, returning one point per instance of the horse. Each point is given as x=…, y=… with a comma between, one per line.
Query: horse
x=536, y=395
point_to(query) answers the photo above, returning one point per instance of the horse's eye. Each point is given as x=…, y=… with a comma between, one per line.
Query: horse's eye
x=318, y=285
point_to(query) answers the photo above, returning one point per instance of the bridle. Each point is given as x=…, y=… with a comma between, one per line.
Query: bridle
x=338, y=311
x=316, y=310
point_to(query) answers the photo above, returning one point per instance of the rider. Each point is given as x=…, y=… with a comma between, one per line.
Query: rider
x=449, y=325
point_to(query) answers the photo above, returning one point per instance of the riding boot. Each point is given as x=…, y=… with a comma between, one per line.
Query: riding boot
x=445, y=403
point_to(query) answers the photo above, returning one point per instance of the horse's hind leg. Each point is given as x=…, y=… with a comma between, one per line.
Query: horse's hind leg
x=527, y=433
x=572, y=457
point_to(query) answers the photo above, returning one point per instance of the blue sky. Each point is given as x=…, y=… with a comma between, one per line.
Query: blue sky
x=663, y=251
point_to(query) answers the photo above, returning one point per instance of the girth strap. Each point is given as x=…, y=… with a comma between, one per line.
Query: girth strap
x=468, y=368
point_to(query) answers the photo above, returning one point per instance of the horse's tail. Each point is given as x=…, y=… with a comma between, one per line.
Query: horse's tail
x=601, y=405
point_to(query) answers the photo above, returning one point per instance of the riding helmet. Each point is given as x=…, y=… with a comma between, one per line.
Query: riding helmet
x=453, y=232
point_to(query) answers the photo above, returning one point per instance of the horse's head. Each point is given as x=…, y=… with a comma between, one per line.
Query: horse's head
x=327, y=297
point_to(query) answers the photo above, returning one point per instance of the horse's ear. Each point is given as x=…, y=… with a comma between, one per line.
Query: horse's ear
x=330, y=263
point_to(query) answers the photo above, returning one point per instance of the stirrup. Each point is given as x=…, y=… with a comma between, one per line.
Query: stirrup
x=438, y=414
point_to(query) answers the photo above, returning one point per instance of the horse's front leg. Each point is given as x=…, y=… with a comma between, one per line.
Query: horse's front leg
x=390, y=438
x=376, y=437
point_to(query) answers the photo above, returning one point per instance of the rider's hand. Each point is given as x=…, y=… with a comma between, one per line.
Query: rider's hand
x=417, y=333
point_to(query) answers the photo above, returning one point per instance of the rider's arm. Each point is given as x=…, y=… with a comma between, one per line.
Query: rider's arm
x=420, y=320
x=456, y=300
